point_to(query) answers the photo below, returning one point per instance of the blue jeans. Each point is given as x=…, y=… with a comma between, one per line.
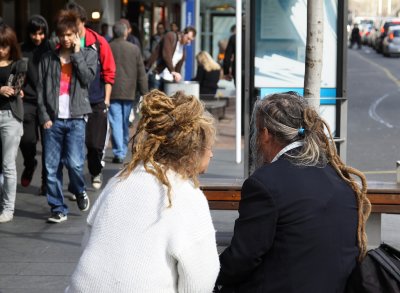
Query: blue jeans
x=118, y=116
x=64, y=144
x=11, y=131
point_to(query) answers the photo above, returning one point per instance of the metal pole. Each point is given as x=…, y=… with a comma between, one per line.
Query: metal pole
x=238, y=78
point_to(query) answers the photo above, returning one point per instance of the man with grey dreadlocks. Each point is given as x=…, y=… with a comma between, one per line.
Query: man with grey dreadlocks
x=301, y=225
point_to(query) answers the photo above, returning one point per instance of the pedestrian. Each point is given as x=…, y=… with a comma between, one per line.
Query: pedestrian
x=12, y=73
x=63, y=99
x=36, y=44
x=104, y=32
x=168, y=58
x=97, y=128
x=229, y=57
x=130, y=38
x=167, y=240
x=302, y=215
x=156, y=38
x=208, y=73
x=355, y=37
x=130, y=77
x=174, y=27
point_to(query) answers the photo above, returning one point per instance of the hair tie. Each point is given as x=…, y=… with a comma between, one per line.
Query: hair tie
x=172, y=118
x=301, y=131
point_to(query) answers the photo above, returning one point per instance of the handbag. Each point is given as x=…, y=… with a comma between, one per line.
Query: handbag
x=18, y=73
x=379, y=272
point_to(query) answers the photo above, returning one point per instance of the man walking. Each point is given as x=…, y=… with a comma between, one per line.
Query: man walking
x=130, y=75
x=99, y=96
x=64, y=79
x=169, y=57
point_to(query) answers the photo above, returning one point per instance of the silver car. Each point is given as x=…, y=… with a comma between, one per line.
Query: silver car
x=391, y=43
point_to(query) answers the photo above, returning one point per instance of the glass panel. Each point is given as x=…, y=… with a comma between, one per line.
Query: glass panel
x=281, y=30
x=280, y=36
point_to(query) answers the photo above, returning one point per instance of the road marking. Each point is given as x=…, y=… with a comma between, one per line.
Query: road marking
x=384, y=69
x=372, y=112
x=379, y=172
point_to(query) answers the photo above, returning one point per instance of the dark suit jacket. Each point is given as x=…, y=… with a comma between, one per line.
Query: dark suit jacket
x=296, y=232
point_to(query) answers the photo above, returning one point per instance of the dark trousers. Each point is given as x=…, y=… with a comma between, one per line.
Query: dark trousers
x=30, y=138
x=96, y=138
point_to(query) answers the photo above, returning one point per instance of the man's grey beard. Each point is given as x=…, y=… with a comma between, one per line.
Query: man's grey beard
x=257, y=157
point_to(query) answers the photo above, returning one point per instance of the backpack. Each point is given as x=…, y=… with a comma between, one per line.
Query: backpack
x=379, y=272
x=97, y=86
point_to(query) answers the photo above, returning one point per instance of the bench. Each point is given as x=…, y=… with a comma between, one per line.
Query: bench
x=216, y=108
x=216, y=105
x=224, y=194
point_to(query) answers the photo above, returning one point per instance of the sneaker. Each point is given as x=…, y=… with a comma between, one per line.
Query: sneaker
x=83, y=201
x=117, y=160
x=6, y=217
x=27, y=175
x=97, y=181
x=57, y=218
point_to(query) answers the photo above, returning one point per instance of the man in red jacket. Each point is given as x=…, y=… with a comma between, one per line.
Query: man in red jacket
x=99, y=96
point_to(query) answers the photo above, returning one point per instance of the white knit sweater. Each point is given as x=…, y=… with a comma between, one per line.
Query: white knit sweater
x=134, y=243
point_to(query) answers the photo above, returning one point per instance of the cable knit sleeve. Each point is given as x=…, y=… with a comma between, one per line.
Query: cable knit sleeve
x=198, y=265
x=194, y=245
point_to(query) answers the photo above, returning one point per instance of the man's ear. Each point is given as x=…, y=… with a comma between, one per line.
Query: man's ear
x=265, y=135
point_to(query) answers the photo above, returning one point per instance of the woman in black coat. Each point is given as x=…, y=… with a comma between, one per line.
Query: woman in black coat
x=35, y=45
x=208, y=73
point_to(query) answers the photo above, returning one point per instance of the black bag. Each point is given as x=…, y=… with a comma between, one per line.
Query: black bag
x=379, y=272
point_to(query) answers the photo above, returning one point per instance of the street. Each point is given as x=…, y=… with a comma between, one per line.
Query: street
x=373, y=120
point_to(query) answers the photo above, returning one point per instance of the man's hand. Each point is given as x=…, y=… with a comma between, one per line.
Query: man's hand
x=177, y=76
x=77, y=43
x=47, y=124
x=228, y=77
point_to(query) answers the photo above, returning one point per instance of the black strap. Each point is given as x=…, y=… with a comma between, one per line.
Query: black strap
x=386, y=262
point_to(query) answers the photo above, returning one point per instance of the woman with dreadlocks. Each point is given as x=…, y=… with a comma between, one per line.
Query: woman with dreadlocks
x=151, y=230
x=301, y=225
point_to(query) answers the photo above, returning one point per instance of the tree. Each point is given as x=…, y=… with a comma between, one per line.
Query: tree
x=314, y=46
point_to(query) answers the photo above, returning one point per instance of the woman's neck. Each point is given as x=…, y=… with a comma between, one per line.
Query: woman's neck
x=5, y=62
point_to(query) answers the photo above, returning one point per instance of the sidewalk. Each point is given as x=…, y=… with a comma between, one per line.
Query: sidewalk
x=37, y=257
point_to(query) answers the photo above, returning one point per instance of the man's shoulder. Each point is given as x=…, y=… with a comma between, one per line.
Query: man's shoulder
x=92, y=37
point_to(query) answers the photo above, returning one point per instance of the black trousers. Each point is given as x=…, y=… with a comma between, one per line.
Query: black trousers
x=30, y=137
x=96, y=138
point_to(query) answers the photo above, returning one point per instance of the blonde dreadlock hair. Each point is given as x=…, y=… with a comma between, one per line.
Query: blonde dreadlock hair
x=173, y=133
x=284, y=115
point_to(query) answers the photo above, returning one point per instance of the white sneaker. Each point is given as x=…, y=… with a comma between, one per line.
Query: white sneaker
x=6, y=217
x=97, y=181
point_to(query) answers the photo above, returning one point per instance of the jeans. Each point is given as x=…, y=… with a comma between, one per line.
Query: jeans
x=64, y=144
x=11, y=131
x=118, y=116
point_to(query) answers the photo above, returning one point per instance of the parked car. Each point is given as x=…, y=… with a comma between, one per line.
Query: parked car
x=365, y=30
x=372, y=37
x=391, y=43
x=385, y=25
